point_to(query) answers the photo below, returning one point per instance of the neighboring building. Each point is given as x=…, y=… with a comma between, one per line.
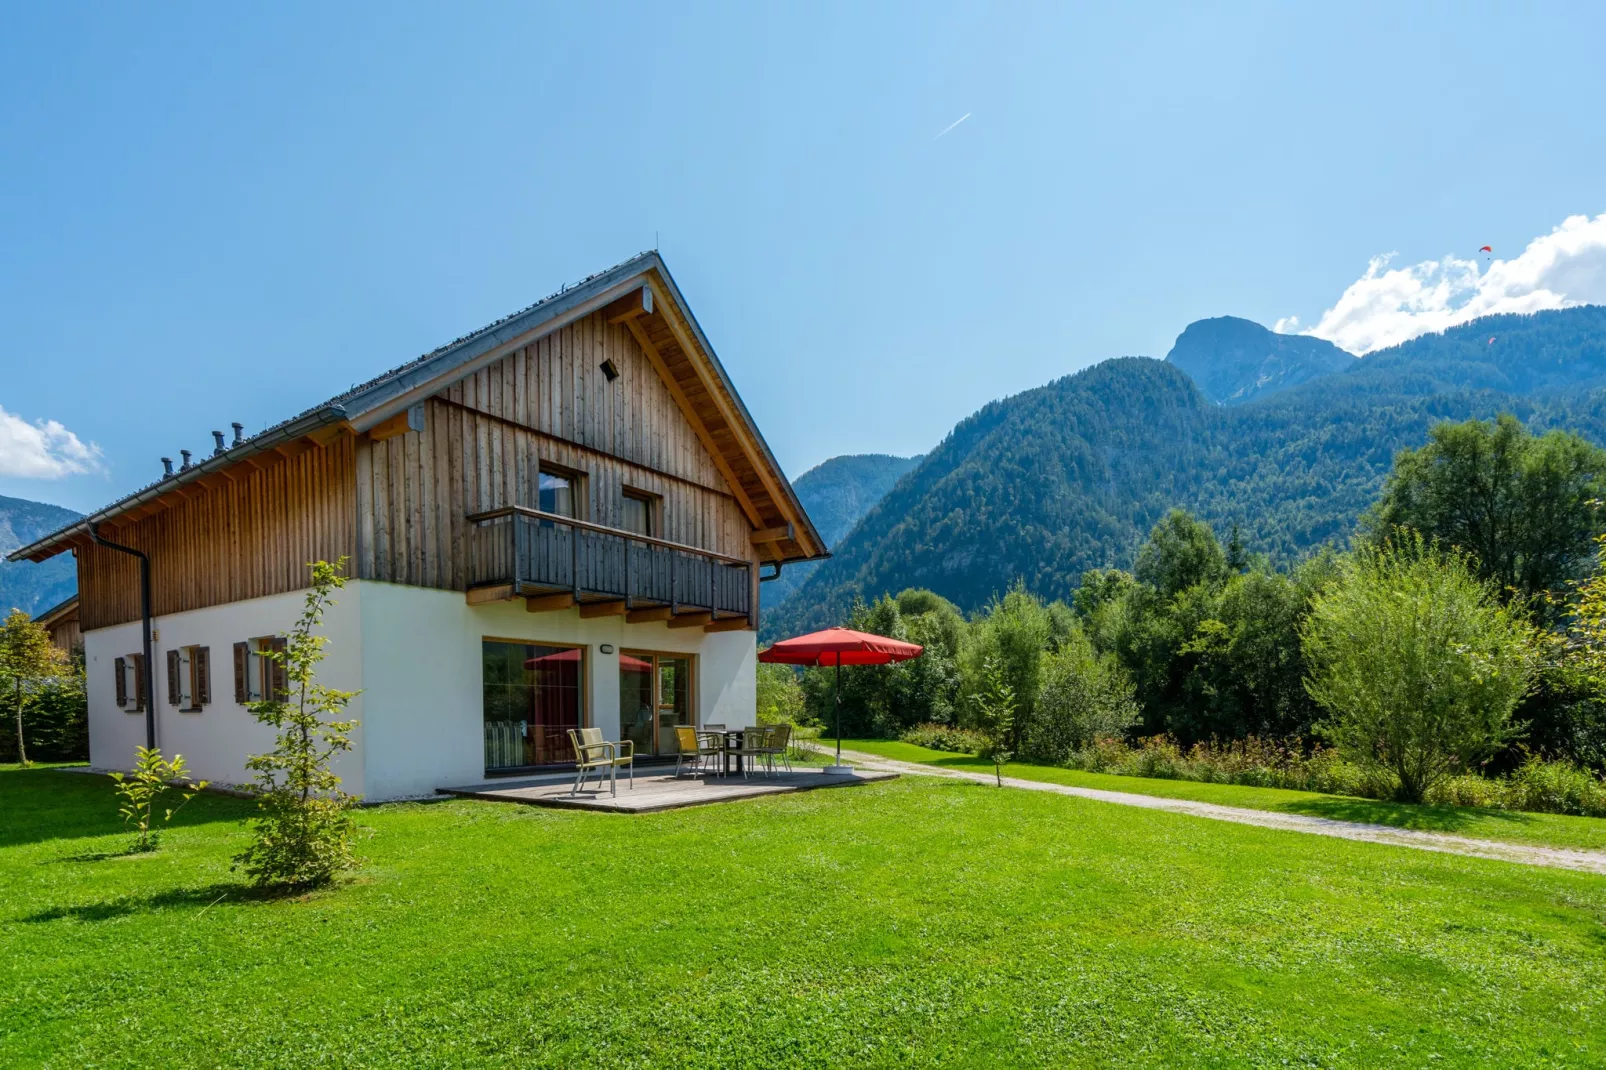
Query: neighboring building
x=61, y=621
x=559, y=520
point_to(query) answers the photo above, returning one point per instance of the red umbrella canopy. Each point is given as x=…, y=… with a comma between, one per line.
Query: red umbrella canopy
x=840, y=646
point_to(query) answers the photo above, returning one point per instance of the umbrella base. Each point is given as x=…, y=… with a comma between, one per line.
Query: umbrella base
x=838, y=770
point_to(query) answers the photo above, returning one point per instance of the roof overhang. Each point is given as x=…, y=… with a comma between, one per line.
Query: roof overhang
x=322, y=424
x=59, y=612
x=639, y=293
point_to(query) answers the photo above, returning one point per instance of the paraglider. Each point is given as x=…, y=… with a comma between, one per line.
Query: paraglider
x=1491, y=341
x=1486, y=249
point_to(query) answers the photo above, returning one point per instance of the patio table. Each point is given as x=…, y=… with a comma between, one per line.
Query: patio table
x=733, y=742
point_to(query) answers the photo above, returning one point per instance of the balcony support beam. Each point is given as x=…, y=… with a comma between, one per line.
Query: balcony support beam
x=690, y=620
x=649, y=615
x=545, y=603
x=592, y=610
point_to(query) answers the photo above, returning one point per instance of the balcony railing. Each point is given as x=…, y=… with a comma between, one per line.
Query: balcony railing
x=545, y=553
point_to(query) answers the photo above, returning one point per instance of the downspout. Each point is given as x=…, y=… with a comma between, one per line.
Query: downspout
x=145, y=621
x=773, y=575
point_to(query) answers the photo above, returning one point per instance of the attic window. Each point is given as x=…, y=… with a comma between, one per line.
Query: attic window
x=609, y=369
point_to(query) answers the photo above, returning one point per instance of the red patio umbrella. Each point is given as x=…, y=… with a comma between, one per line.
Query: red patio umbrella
x=839, y=647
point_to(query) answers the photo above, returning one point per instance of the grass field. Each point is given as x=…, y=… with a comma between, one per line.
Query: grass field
x=914, y=923
x=1549, y=830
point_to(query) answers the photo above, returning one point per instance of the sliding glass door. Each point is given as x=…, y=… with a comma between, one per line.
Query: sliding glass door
x=533, y=695
x=655, y=697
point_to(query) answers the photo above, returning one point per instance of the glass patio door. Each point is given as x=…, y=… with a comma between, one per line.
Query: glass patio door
x=654, y=699
x=533, y=696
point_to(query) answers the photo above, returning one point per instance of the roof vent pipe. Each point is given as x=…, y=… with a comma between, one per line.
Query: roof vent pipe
x=167, y=466
x=217, y=443
x=239, y=432
x=185, y=467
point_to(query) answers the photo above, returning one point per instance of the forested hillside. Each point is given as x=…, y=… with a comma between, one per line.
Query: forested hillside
x=1072, y=475
x=836, y=493
x=23, y=584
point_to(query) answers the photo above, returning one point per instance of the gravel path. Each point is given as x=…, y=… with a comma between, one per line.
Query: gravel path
x=1527, y=854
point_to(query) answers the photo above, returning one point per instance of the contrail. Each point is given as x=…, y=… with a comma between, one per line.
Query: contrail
x=953, y=124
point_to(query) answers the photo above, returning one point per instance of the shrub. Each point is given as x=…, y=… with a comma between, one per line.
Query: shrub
x=1539, y=786
x=1417, y=662
x=1083, y=696
x=1253, y=762
x=945, y=737
x=140, y=790
x=1555, y=787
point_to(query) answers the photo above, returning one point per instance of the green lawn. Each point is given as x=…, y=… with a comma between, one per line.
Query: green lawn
x=913, y=923
x=1550, y=830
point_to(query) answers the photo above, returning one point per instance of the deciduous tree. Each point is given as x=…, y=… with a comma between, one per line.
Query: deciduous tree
x=1525, y=508
x=27, y=661
x=303, y=831
x=1417, y=662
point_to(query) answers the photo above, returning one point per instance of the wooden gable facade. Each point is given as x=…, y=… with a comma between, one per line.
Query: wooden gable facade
x=485, y=437
x=615, y=393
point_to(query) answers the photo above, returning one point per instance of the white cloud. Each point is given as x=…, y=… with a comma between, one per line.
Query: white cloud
x=1387, y=305
x=43, y=449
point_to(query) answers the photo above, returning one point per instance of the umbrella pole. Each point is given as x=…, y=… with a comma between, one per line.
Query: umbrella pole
x=836, y=694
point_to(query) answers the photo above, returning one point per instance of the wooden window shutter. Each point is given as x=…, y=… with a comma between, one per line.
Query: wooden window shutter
x=139, y=681
x=122, y=682
x=201, y=666
x=174, y=664
x=281, y=678
x=241, y=679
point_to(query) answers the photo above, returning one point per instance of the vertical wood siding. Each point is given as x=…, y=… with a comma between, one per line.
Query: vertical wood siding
x=244, y=539
x=396, y=507
x=486, y=436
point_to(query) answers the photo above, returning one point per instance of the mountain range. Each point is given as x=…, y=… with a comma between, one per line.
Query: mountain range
x=836, y=494
x=1287, y=437
x=23, y=584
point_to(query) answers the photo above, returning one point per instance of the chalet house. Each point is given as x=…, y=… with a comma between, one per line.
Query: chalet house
x=60, y=622
x=560, y=520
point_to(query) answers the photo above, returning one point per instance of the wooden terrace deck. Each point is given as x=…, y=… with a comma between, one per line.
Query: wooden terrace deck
x=657, y=791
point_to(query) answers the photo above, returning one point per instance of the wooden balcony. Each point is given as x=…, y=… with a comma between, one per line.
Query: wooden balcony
x=556, y=561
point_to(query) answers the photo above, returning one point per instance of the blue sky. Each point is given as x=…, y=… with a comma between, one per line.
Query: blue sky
x=209, y=213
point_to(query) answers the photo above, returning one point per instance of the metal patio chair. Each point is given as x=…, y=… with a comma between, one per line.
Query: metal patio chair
x=592, y=752
x=693, y=748
x=751, y=750
x=777, y=744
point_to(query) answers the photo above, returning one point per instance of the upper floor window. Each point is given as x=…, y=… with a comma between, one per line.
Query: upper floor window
x=639, y=512
x=559, y=492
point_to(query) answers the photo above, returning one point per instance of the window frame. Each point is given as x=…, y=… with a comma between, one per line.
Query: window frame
x=189, y=690
x=133, y=670
x=579, y=488
x=654, y=504
x=583, y=694
x=257, y=667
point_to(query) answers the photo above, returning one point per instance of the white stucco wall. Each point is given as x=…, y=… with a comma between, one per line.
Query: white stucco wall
x=216, y=741
x=415, y=654
x=422, y=670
